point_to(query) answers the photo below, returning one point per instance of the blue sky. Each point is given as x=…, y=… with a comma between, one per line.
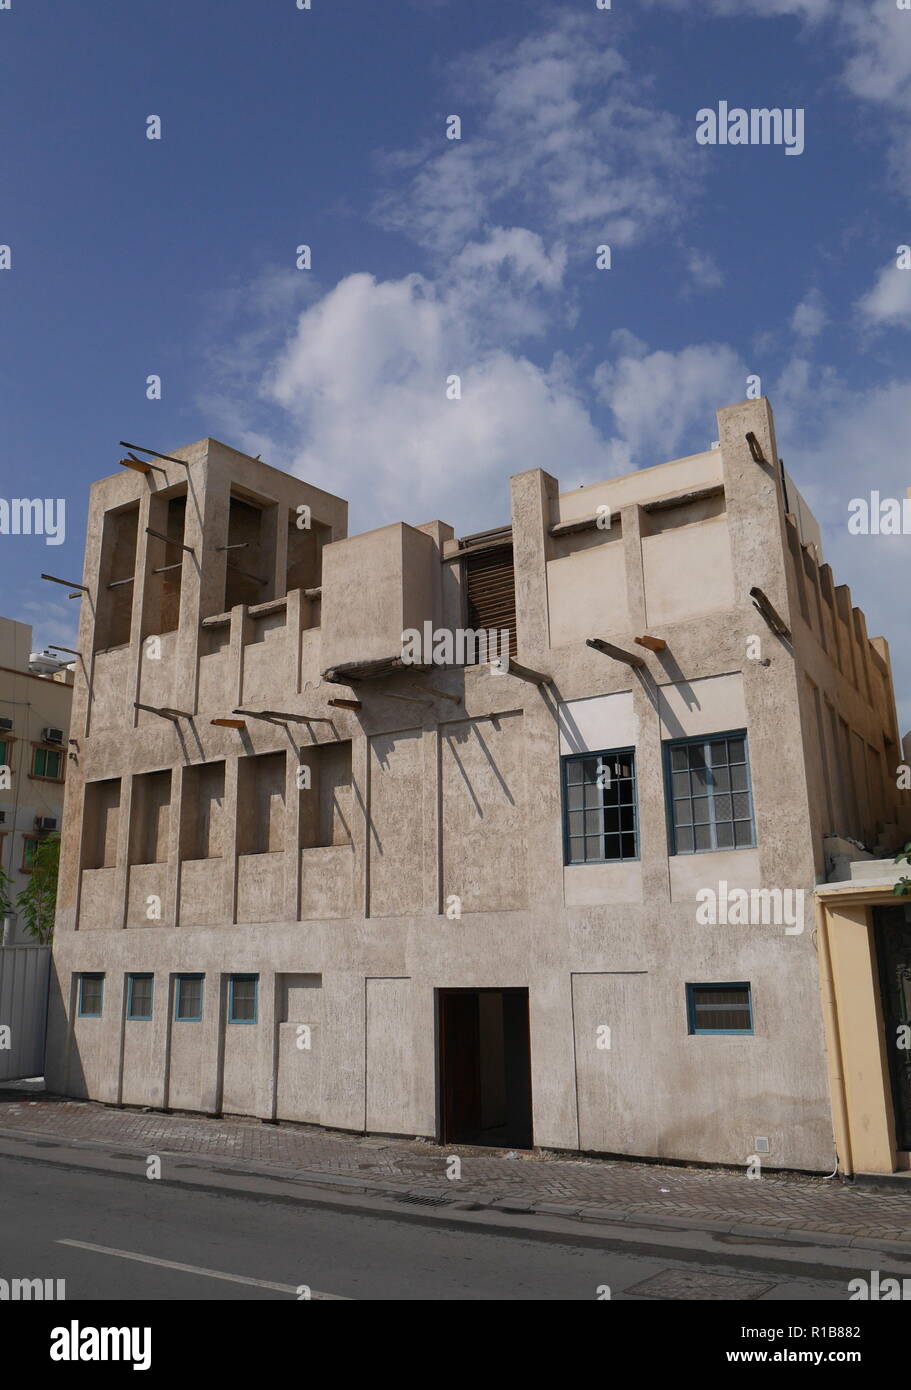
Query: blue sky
x=327, y=126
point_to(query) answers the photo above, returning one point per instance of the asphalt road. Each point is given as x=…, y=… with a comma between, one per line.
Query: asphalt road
x=114, y=1237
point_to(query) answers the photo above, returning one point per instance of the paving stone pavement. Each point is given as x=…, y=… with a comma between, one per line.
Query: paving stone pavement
x=588, y=1187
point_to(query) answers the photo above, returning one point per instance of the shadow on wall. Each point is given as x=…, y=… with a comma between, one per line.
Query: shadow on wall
x=64, y=1072
x=463, y=736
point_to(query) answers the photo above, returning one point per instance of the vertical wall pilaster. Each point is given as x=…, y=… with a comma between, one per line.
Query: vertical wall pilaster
x=532, y=496
x=230, y=842
x=431, y=848
x=631, y=523
x=360, y=779
x=292, y=875
x=759, y=550
x=267, y=1045
x=122, y=862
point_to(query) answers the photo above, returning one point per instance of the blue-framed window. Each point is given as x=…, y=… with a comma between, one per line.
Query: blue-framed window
x=188, y=990
x=600, y=814
x=140, y=988
x=709, y=793
x=91, y=994
x=719, y=1008
x=242, y=998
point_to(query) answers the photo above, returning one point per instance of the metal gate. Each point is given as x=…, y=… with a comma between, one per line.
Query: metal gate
x=893, y=947
x=24, y=977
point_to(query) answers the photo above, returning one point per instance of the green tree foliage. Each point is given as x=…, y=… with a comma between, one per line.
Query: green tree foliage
x=38, y=901
x=6, y=902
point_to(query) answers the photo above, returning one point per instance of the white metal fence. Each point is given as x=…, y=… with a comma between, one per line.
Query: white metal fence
x=24, y=976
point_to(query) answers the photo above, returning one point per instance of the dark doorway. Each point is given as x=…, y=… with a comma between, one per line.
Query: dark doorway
x=892, y=926
x=485, y=1067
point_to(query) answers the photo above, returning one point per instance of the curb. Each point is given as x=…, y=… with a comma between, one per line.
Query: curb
x=586, y=1215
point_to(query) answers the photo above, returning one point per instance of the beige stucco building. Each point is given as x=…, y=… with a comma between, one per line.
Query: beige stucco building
x=36, y=692
x=303, y=881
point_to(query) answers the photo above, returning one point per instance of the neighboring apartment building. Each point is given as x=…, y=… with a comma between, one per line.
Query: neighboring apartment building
x=36, y=693
x=301, y=880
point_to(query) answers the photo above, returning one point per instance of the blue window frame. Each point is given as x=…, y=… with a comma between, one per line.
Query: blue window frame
x=188, y=994
x=600, y=814
x=242, y=998
x=726, y=1008
x=140, y=988
x=91, y=994
x=709, y=793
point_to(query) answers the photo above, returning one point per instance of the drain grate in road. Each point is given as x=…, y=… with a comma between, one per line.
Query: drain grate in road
x=421, y=1201
x=694, y=1284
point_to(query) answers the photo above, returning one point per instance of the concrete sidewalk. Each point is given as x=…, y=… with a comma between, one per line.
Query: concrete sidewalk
x=591, y=1190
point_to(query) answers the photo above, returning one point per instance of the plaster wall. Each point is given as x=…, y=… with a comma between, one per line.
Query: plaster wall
x=454, y=796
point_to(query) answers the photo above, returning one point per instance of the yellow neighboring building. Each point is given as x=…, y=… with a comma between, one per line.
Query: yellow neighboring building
x=36, y=694
x=864, y=944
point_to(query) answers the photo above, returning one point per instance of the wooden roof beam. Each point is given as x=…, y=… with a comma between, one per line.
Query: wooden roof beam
x=525, y=673
x=764, y=606
x=164, y=711
x=273, y=716
x=618, y=654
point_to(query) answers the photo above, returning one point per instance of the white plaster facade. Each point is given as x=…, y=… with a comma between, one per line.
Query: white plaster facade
x=335, y=896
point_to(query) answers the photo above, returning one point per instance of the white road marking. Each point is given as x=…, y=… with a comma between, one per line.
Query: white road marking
x=195, y=1269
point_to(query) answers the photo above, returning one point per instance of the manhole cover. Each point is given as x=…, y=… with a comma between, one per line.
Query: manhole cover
x=694, y=1284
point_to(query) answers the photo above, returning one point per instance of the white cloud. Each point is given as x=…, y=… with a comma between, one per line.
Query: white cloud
x=704, y=270
x=809, y=318
x=508, y=286
x=557, y=131
x=888, y=302
x=763, y=9
x=363, y=382
x=879, y=67
x=658, y=399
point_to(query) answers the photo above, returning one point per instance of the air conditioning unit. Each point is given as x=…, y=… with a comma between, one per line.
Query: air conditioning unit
x=45, y=823
x=52, y=735
x=6, y=724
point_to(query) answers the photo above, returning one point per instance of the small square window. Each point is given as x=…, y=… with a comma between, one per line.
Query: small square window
x=47, y=762
x=91, y=995
x=188, y=998
x=719, y=1008
x=139, y=996
x=708, y=789
x=242, y=1000
x=600, y=814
